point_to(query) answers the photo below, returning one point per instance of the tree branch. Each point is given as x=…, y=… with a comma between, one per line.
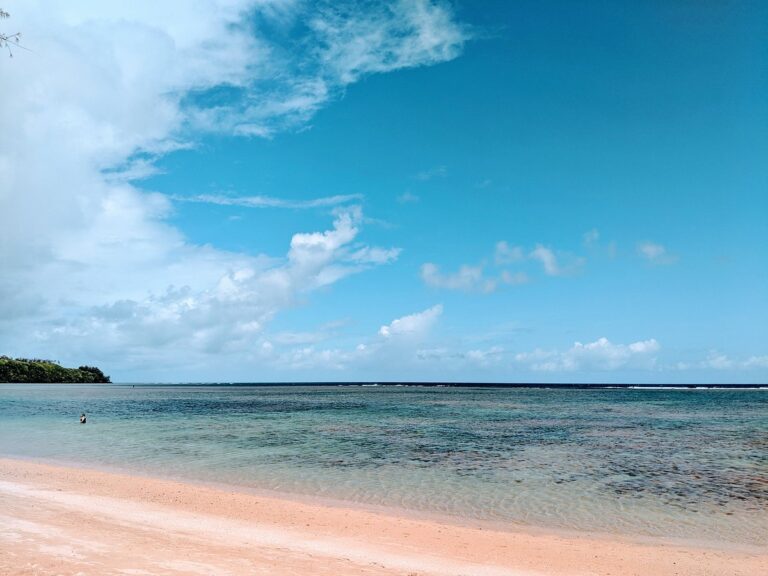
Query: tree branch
x=8, y=40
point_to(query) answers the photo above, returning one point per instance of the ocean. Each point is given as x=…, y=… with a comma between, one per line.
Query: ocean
x=690, y=464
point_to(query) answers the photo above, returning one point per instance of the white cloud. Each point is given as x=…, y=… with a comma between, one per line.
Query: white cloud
x=408, y=198
x=220, y=315
x=756, y=362
x=373, y=255
x=472, y=278
x=547, y=259
x=551, y=263
x=311, y=358
x=590, y=238
x=514, y=279
x=717, y=361
x=268, y=201
x=468, y=278
x=475, y=358
x=650, y=250
x=388, y=36
x=342, y=42
x=432, y=173
x=492, y=355
x=293, y=338
x=413, y=325
x=91, y=261
x=655, y=253
x=506, y=254
x=598, y=355
x=392, y=346
x=431, y=354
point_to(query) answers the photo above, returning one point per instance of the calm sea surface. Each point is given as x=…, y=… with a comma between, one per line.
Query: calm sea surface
x=680, y=463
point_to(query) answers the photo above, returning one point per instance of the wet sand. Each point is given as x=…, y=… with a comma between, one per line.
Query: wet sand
x=60, y=520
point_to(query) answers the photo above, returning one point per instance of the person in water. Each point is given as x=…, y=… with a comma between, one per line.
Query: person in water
x=82, y=418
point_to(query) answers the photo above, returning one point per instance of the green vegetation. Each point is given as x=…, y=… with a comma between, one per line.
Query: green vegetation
x=24, y=370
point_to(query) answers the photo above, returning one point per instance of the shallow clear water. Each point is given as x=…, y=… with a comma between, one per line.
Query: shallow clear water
x=680, y=463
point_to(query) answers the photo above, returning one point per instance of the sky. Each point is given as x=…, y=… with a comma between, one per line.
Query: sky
x=288, y=190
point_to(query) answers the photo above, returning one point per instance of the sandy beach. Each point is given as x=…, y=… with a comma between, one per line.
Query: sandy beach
x=59, y=520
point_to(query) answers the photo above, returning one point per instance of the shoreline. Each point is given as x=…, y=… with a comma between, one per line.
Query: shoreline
x=56, y=519
x=418, y=515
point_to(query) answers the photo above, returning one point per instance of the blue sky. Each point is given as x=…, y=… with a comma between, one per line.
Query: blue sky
x=286, y=191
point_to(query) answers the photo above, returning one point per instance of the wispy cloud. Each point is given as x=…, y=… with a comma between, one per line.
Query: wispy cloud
x=475, y=358
x=467, y=278
x=408, y=198
x=473, y=278
x=655, y=253
x=385, y=37
x=269, y=201
x=393, y=345
x=598, y=355
x=514, y=278
x=506, y=254
x=718, y=361
x=715, y=360
x=548, y=260
x=300, y=338
x=432, y=173
x=341, y=43
x=374, y=255
x=756, y=362
x=551, y=263
x=591, y=237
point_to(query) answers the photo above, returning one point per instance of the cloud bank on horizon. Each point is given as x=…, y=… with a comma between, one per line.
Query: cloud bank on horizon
x=98, y=264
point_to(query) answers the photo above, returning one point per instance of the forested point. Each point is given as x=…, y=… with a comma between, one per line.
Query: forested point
x=26, y=370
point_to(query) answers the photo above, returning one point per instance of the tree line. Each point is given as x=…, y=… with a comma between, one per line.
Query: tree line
x=26, y=370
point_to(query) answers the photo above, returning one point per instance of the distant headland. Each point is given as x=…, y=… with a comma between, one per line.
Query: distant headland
x=25, y=370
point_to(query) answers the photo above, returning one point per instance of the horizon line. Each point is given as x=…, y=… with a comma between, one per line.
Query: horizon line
x=453, y=384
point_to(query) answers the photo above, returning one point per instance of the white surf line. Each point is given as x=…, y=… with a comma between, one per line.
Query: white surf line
x=239, y=533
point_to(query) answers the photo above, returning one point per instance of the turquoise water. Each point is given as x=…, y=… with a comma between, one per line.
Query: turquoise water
x=677, y=463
